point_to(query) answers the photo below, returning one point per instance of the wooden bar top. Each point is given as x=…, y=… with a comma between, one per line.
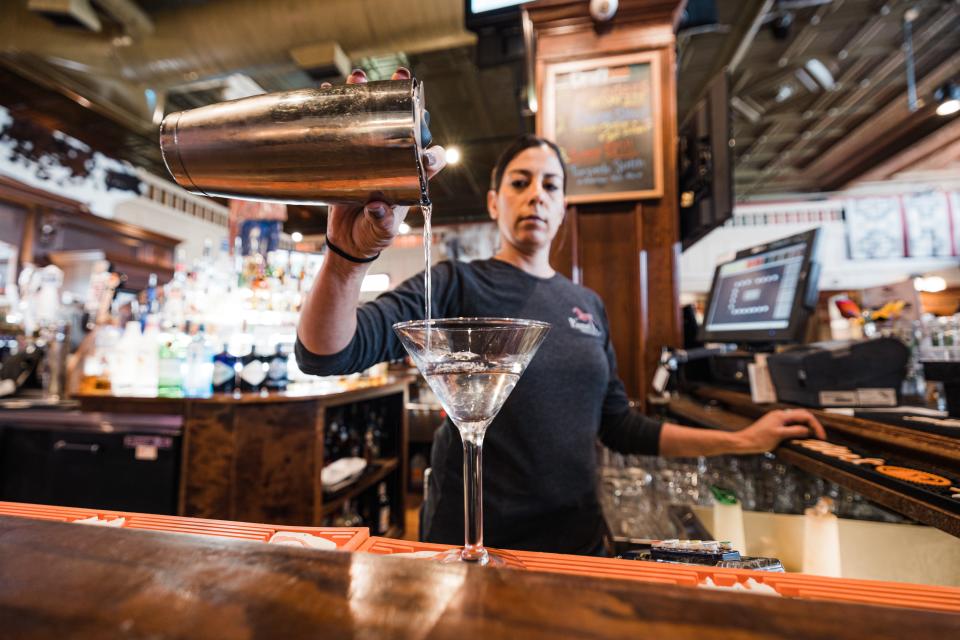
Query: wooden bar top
x=61, y=580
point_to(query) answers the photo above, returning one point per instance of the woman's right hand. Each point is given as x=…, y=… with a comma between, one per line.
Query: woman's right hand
x=364, y=231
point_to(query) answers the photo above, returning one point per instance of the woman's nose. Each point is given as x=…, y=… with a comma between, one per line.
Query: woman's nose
x=536, y=192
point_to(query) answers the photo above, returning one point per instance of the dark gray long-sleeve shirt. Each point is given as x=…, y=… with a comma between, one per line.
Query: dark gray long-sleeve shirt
x=539, y=462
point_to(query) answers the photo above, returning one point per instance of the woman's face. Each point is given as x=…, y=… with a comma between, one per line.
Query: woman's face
x=529, y=207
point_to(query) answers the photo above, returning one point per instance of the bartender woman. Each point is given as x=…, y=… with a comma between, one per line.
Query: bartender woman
x=539, y=464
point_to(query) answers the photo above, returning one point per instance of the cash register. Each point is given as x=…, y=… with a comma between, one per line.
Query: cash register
x=761, y=301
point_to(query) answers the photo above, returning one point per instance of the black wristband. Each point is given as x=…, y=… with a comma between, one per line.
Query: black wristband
x=346, y=256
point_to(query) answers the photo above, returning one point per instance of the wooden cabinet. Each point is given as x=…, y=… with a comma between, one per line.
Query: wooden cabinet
x=258, y=458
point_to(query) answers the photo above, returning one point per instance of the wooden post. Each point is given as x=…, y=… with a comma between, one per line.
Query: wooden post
x=626, y=250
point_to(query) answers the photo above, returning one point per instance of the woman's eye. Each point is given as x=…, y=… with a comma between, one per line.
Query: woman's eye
x=549, y=186
x=519, y=184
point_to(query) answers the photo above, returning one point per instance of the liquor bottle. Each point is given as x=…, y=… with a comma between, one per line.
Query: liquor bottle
x=277, y=375
x=355, y=432
x=170, y=368
x=224, y=376
x=331, y=445
x=383, y=509
x=123, y=361
x=369, y=447
x=198, y=375
x=147, y=379
x=380, y=435
x=151, y=305
x=343, y=438
x=254, y=372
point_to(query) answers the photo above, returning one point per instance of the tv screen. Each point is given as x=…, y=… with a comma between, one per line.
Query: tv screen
x=482, y=6
x=705, y=165
x=487, y=14
x=765, y=293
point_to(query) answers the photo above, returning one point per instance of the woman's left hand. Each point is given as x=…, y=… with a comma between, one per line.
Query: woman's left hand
x=766, y=433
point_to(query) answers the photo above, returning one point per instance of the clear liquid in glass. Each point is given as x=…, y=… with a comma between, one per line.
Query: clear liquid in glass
x=471, y=393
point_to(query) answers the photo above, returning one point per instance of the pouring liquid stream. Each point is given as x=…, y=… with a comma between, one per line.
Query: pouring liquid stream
x=427, y=210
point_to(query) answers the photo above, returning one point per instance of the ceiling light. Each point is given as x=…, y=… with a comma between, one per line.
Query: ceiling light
x=949, y=107
x=403, y=228
x=948, y=96
x=453, y=155
x=820, y=72
x=784, y=92
x=296, y=236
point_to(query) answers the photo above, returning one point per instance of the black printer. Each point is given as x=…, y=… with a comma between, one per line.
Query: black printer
x=847, y=373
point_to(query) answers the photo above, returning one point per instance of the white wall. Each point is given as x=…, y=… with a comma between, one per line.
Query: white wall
x=838, y=271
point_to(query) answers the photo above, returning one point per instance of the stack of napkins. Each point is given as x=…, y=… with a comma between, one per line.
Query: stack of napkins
x=297, y=539
x=341, y=472
x=102, y=522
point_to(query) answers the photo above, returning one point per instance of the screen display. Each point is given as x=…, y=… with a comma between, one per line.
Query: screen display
x=756, y=292
x=480, y=6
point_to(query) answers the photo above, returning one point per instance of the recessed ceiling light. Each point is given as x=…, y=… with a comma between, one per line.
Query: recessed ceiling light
x=948, y=95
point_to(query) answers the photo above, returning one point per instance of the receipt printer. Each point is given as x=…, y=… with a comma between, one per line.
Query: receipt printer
x=847, y=373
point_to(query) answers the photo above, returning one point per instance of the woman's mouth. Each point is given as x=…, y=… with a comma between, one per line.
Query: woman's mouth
x=533, y=220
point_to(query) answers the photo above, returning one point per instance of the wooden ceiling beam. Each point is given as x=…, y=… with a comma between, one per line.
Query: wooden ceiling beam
x=936, y=144
x=933, y=28
x=889, y=118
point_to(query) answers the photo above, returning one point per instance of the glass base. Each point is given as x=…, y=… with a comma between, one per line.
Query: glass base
x=455, y=556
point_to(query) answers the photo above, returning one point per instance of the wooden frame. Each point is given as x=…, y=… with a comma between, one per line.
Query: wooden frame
x=547, y=124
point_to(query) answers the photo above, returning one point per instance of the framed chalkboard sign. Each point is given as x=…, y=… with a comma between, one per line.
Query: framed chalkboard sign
x=604, y=113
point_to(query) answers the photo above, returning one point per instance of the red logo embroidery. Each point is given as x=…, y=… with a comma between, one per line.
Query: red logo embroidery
x=582, y=315
x=583, y=322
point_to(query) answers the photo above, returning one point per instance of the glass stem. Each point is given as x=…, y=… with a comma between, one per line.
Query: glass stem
x=473, y=550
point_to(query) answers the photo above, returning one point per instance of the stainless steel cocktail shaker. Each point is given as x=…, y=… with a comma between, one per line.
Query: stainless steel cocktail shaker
x=344, y=144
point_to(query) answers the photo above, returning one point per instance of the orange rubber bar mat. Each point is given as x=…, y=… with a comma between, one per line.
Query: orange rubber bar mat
x=388, y=546
x=346, y=538
x=793, y=585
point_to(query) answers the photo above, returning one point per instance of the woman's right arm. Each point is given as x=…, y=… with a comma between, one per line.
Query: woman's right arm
x=328, y=317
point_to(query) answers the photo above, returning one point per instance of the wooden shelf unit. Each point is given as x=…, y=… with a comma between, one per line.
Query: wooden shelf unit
x=335, y=501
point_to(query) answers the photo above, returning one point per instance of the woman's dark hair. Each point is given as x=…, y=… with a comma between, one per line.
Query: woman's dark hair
x=518, y=145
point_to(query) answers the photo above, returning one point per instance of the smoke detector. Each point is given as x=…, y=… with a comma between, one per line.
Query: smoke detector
x=603, y=10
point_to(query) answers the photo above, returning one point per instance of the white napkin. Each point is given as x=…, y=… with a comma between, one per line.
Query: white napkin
x=104, y=522
x=340, y=470
x=298, y=539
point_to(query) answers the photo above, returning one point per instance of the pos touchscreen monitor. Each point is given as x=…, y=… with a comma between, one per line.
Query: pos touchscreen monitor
x=765, y=294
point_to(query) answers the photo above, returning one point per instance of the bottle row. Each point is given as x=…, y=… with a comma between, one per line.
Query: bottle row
x=369, y=509
x=174, y=363
x=358, y=431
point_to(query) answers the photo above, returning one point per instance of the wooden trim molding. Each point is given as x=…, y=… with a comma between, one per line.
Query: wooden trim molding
x=23, y=194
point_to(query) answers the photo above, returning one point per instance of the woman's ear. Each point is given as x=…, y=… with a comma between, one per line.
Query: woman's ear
x=492, y=204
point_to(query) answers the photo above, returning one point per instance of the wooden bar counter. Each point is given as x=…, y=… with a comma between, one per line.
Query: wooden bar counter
x=718, y=408
x=62, y=580
x=258, y=457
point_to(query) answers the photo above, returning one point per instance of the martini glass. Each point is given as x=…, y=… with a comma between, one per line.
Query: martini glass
x=472, y=365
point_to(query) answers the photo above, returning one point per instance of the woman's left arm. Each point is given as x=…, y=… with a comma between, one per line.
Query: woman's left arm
x=763, y=435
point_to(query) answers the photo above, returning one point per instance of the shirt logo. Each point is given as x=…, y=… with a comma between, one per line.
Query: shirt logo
x=583, y=322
